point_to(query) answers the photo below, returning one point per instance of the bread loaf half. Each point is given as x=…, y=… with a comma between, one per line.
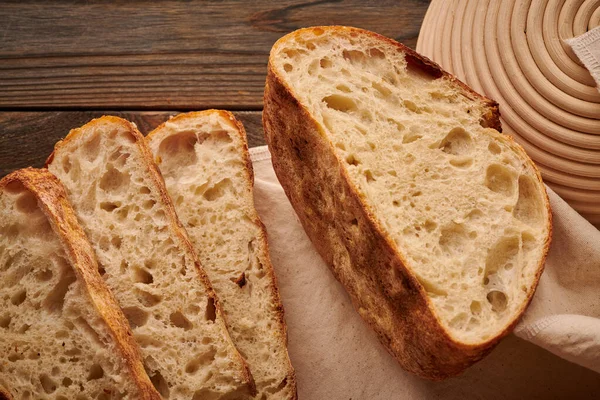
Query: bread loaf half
x=203, y=157
x=62, y=333
x=148, y=261
x=436, y=224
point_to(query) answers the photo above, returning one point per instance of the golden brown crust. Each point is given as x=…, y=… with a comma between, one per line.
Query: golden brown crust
x=4, y=395
x=264, y=257
x=53, y=202
x=176, y=225
x=382, y=288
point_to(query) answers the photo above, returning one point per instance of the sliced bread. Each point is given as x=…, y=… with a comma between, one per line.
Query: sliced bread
x=147, y=260
x=203, y=157
x=62, y=333
x=436, y=224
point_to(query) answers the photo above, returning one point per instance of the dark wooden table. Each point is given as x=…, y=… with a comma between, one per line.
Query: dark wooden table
x=63, y=63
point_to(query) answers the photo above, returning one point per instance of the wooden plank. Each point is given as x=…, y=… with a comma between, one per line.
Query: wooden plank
x=27, y=138
x=164, y=55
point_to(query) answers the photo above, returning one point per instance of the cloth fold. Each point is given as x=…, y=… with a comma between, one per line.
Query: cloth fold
x=587, y=48
x=337, y=356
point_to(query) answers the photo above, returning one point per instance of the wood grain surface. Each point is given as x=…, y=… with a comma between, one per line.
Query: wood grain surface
x=164, y=55
x=65, y=62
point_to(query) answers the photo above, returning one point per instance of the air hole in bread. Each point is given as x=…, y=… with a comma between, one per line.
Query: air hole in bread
x=16, y=357
x=369, y=176
x=179, y=320
x=96, y=372
x=218, y=190
x=114, y=180
x=376, y=53
x=48, y=384
x=431, y=288
x=340, y=146
x=26, y=203
x=66, y=382
x=5, y=320
x=459, y=320
x=66, y=164
x=461, y=162
x=210, y=313
x=475, y=307
x=118, y=157
x=500, y=179
x=292, y=53
x=457, y=142
x=116, y=242
x=528, y=242
x=410, y=105
x=399, y=127
x=351, y=159
x=343, y=88
x=239, y=280
x=19, y=297
x=44, y=275
x=91, y=148
x=429, y=225
x=287, y=67
x=411, y=137
x=504, y=252
x=529, y=203
x=147, y=299
x=498, y=300
x=148, y=204
x=340, y=103
x=104, y=243
x=24, y=328
x=494, y=148
x=55, y=299
x=160, y=383
x=474, y=215
x=136, y=316
x=381, y=89
x=313, y=67
x=201, y=360
x=452, y=238
x=354, y=56
x=141, y=275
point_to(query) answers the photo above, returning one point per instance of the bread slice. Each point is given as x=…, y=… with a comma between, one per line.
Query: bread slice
x=203, y=157
x=62, y=334
x=436, y=224
x=148, y=262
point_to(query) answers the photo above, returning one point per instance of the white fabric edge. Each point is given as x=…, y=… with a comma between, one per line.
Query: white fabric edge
x=259, y=153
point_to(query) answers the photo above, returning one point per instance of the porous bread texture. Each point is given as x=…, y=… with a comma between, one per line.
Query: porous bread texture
x=148, y=262
x=54, y=340
x=203, y=157
x=463, y=204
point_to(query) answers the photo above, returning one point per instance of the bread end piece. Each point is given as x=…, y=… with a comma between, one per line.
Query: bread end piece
x=390, y=299
x=51, y=198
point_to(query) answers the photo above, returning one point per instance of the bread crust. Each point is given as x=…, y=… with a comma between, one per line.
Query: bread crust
x=53, y=202
x=382, y=288
x=174, y=221
x=264, y=256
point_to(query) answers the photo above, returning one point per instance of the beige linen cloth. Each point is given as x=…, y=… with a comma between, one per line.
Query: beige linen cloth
x=587, y=48
x=337, y=356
